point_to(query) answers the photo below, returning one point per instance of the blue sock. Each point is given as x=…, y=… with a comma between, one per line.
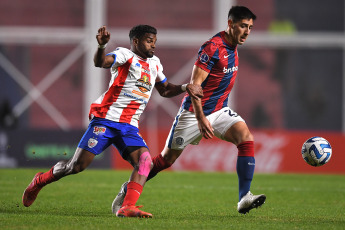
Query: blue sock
x=245, y=171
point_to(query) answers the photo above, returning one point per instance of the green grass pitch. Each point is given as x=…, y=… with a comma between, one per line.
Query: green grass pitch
x=178, y=200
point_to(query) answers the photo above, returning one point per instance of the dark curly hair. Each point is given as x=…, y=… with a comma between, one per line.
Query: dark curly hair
x=140, y=30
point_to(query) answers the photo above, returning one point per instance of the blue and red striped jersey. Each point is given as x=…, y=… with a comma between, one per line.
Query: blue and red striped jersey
x=220, y=60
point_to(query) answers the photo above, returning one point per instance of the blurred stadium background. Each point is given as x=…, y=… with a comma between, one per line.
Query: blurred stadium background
x=291, y=81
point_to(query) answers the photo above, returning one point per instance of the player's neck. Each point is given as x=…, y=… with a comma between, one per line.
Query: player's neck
x=227, y=36
x=139, y=55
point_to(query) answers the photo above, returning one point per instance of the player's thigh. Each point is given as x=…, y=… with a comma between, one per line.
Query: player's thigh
x=98, y=136
x=129, y=142
x=229, y=126
x=184, y=131
x=238, y=133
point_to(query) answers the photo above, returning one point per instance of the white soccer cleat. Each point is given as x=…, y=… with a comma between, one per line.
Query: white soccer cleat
x=118, y=201
x=250, y=201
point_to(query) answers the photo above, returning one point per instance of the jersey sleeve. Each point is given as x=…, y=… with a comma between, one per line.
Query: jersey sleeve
x=121, y=56
x=208, y=56
x=161, y=78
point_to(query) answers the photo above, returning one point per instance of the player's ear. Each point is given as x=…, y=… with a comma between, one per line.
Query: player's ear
x=135, y=41
x=230, y=24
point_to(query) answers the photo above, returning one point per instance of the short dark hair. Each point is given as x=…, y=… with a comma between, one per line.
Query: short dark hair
x=140, y=30
x=237, y=13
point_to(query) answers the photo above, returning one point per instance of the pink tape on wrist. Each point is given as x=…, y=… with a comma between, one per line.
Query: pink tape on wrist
x=145, y=162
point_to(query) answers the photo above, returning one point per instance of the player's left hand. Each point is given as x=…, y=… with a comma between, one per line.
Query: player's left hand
x=195, y=91
x=103, y=36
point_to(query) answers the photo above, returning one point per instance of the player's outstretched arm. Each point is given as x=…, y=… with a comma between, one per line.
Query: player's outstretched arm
x=167, y=89
x=100, y=60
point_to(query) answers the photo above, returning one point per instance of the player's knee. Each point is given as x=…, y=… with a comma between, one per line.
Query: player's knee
x=247, y=137
x=60, y=169
x=64, y=168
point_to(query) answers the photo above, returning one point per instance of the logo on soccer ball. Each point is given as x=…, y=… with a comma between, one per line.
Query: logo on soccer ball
x=316, y=151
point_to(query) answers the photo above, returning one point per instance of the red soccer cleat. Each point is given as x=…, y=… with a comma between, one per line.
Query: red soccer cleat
x=133, y=211
x=31, y=191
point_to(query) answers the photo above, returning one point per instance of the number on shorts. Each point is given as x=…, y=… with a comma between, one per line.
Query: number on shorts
x=232, y=113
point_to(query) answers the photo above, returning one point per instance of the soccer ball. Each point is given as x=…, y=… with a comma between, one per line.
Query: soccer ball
x=316, y=151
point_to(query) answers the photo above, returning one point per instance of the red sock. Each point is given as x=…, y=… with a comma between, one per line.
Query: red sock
x=159, y=164
x=133, y=193
x=46, y=178
x=246, y=149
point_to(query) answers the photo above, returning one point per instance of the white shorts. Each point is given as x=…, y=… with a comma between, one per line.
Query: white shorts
x=185, y=130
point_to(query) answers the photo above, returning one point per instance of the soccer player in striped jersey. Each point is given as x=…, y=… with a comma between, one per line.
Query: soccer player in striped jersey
x=114, y=116
x=215, y=71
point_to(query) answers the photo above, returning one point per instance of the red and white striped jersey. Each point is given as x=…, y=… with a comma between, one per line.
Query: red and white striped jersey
x=132, y=81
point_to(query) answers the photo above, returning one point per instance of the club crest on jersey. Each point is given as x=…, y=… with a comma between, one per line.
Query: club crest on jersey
x=92, y=143
x=144, y=84
x=204, y=58
x=99, y=130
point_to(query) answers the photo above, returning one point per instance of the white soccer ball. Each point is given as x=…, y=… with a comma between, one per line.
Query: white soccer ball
x=316, y=151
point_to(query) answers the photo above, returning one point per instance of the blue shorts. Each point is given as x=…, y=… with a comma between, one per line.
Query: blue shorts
x=101, y=133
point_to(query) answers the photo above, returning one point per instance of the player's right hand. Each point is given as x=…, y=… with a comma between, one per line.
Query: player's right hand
x=103, y=36
x=205, y=128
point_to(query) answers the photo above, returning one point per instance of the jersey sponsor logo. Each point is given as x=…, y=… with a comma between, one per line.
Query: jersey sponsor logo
x=140, y=93
x=134, y=97
x=97, y=130
x=92, y=143
x=230, y=70
x=204, y=58
x=144, y=84
x=226, y=56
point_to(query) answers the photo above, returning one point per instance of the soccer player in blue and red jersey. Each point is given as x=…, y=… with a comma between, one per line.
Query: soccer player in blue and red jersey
x=215, y=70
